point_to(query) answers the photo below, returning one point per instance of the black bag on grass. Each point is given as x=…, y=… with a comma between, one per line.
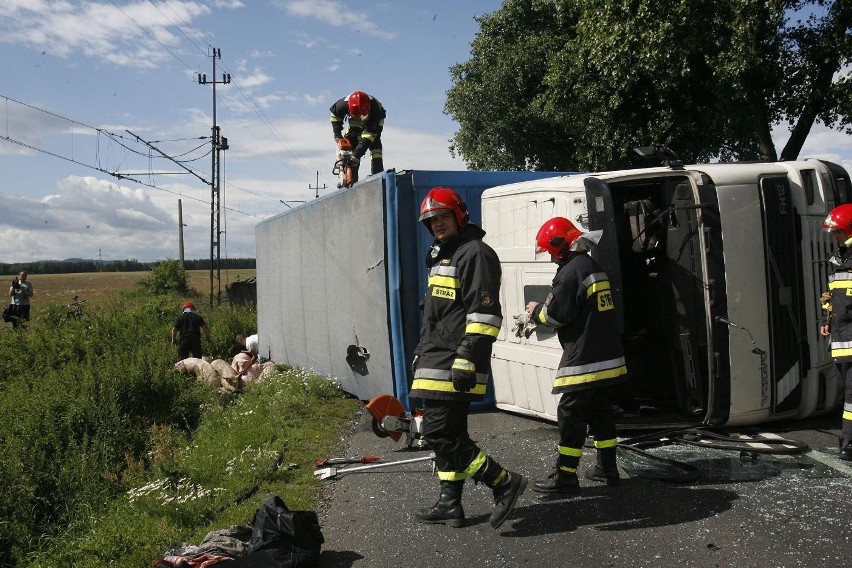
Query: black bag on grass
x=9, y=313
x=281, y=538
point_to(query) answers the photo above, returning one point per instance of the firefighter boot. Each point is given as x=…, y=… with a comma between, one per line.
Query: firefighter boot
x=377, y=165
x=506, y=492
x=846, y=450
x=448, y=509
x=560, y=481
x=606, y=468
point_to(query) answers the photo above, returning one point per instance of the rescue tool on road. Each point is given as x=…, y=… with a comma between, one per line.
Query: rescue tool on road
x=389, y=419
x=338, y=461
x=332, y=472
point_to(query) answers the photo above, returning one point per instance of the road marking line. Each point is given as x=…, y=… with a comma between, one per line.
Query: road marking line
x=833, y=463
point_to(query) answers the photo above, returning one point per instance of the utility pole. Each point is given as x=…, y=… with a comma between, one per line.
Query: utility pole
x=317, y=187
x=180, y=233
x=219, y=143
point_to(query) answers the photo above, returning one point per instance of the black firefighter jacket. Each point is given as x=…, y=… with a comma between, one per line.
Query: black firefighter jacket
x=365, y=131
x=461, y=315
x=840, y=287
x=581, y=308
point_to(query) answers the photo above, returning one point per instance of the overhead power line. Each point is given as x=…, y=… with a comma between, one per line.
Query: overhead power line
x=96, y=165
x=181, y=26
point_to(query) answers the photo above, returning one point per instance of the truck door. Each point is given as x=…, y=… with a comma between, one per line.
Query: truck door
x=785, y=293
x=602, y=217
x=676, y=370
x=692, y=259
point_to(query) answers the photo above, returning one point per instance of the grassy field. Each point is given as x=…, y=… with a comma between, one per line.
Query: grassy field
x=94, y=286
x=110, y=457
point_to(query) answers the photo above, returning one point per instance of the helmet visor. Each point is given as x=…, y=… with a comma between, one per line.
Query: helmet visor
x=837, y=234
x=586, y=241
x=428, y=214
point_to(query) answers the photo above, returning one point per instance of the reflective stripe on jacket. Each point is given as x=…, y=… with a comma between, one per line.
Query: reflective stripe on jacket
x=366, y=131
x=461, y=315
x=580, y=306
x=840, y=289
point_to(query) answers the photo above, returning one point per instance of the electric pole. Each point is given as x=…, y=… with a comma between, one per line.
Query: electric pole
x=180, y=233
x=219, y=143
x=317, y=187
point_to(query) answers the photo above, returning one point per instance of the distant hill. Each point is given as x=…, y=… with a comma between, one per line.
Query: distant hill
x=73, y=265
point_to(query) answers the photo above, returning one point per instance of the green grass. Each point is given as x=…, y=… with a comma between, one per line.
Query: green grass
x=110, y=458
x=262, y=444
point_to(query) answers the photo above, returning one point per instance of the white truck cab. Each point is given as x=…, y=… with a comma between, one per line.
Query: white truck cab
x=717, y=268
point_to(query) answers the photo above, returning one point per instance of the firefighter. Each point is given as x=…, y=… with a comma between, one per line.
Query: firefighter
x=838, y=324
x=580, y=306
x=461, y=320
x=366, y=118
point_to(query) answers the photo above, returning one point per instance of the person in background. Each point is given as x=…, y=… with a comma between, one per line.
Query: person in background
x=461, y=320
x=580, y=307
x=21, y=290
x=838, y=325
x=249, y=345
x=366, y=119
x=189, y=326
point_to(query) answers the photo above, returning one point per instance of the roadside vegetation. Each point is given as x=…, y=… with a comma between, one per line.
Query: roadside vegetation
x=112, y=458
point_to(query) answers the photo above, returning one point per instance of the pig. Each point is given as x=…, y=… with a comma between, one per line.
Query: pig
x=242, y=365
x=266, y=369
x=230, y=379
x=202, y=370
x=251, y=372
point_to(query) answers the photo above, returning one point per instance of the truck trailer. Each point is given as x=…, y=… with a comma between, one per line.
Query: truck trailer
x=718, y=269
x=339, y=279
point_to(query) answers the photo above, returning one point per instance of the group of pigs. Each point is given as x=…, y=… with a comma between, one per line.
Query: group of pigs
x=225, y=378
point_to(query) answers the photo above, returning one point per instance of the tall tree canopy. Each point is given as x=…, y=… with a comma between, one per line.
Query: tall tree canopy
x=576, y=84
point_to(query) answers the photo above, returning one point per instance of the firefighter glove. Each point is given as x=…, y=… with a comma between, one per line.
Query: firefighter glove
x=825, y=301
x=464, y=375
x=524, y=326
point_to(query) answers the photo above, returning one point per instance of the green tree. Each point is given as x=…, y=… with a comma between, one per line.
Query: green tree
x=575, y=84
x=166, y=277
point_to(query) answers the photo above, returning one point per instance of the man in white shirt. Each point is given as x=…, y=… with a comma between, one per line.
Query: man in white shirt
x=249, y=345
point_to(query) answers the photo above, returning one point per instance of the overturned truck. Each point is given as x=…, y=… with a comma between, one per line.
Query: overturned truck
x=719, y=268
x=339, y=279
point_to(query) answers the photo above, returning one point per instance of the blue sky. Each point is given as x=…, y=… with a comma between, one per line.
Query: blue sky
x=79, y=79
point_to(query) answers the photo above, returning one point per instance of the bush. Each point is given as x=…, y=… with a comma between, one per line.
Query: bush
x=167, y=277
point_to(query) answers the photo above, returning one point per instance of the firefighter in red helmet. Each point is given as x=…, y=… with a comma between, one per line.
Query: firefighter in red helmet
x=461, y=320
x=580, y=307
x=838, y=325
x=365, y=118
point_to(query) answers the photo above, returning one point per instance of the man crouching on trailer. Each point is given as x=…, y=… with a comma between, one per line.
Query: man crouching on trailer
x=581, y=308
x=839, y=324
x=461, y=320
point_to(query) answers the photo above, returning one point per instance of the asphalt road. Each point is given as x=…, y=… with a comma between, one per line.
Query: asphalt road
x=755, y=510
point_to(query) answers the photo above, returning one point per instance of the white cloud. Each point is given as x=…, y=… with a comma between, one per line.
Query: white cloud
x=86, y=216
x=822, y=142
x=120, y=34
x=338, y=15
x=254, y=78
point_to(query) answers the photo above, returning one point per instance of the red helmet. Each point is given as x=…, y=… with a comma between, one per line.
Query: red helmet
x=557, y=236
x=359, y=103
x=189, y=305
x=439, y=199
x=840, y=220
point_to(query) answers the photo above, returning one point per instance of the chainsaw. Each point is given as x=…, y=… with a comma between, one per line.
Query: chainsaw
x=390, y=420
x=343, y=168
